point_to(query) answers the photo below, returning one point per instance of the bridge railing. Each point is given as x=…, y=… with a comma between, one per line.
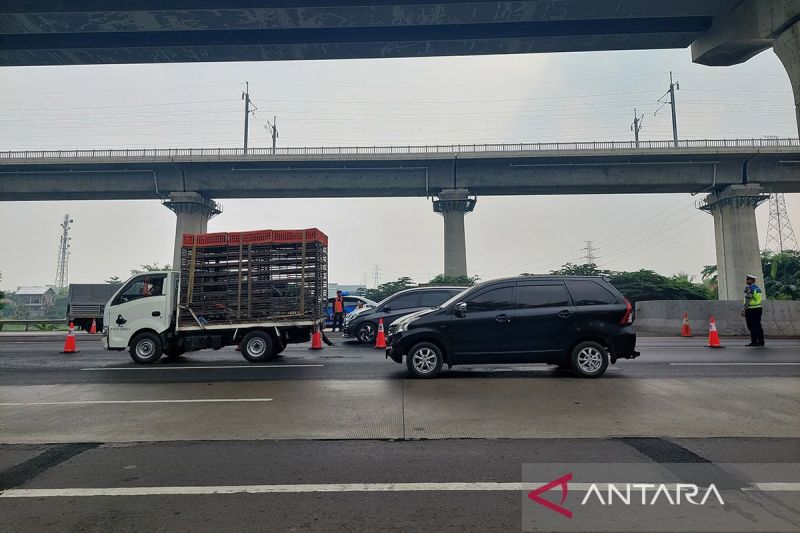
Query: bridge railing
x=317, y=151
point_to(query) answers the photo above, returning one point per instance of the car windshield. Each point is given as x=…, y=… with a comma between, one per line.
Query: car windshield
x=454, y=299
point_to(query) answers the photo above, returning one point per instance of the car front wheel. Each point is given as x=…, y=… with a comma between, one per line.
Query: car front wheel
x=589, y=360
x=366, y=333
x=425, y=360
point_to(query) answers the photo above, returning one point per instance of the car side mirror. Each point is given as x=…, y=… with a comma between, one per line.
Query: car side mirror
x=461, y=309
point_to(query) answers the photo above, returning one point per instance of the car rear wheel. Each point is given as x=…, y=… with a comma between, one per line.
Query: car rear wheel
x=366, y=333
x=425, y=360
x=146, y=348
x=257, y=346
x=589, y=360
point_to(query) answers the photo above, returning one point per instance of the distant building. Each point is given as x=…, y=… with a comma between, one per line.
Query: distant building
x=353, y=290
x=35, y=299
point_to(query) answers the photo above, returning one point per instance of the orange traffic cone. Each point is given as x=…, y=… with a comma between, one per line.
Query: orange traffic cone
x=686, y=331
x=69, y=344
x=380, y=340
x=713, y=336
x=316, y=339
x=93, y=329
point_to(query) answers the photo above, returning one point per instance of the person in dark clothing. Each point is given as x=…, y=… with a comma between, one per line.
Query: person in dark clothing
x=753, y=302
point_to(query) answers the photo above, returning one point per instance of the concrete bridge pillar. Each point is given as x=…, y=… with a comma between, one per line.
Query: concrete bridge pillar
x=787, y=48
x=193, y=211
x=453, y=204
x=736, y=235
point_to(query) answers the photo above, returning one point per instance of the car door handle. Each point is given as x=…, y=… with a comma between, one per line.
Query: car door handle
x=566, y=313
x=503, y=318
x=156, y=313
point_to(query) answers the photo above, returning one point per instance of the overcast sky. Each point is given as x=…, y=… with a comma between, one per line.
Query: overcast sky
x=520, y=98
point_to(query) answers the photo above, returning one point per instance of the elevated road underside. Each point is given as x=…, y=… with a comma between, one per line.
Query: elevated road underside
x=86, y=32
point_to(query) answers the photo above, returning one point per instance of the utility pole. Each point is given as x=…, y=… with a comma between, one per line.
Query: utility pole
x=636, y=127
x=62, y=270
x=590, y=258
x=247, y=110
x=673, y=86
x=272, y=127
x=246, y=98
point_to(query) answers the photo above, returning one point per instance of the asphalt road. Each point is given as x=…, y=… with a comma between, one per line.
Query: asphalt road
x=37, y=360
x=341, y=439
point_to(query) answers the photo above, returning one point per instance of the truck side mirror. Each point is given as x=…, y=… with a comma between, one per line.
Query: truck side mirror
x=461, y=309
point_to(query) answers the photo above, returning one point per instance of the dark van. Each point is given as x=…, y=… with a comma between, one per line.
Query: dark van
x=581, y=323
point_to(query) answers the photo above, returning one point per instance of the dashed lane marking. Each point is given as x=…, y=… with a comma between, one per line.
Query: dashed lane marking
x=101, y=402
x=249, y=367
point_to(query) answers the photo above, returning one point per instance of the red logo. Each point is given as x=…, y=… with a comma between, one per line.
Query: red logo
x=562, y=481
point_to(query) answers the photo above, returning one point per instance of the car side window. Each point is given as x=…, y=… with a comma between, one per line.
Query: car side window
x=143, y=286
x=587, y=292
x=492, y=300
x=532, y=296
x=434, y=298
x=404, y=302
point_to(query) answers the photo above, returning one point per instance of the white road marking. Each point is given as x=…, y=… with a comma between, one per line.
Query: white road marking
x=254, y=367
x=91, y=402
x=327, y=487
x=736, y=364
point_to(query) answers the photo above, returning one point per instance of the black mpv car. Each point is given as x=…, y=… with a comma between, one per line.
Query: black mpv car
x=581, y=323
x=364, y=324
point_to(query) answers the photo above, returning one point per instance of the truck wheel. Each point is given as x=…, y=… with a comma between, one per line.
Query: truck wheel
x=257, y=346
x=589, y=360
x=146, y=348
x=424, y=360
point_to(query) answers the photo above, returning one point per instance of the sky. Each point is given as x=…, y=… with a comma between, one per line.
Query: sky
x=486, y=99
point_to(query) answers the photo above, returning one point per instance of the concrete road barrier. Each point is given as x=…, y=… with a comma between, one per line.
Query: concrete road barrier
x=780, y=318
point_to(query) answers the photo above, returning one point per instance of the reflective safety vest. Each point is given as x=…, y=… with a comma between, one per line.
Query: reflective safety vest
x=752, y=296
x=338, y=305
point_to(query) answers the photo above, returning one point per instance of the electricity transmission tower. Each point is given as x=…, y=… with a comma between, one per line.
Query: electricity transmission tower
x=590, y=258
x=62, y=271
x=780, y=235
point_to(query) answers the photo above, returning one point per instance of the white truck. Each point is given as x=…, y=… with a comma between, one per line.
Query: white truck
x=258, y=295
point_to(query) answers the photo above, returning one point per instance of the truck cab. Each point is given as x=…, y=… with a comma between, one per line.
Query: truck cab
x=146, y=302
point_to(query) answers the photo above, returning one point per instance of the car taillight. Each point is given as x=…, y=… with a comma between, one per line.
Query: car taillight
x=627, y=318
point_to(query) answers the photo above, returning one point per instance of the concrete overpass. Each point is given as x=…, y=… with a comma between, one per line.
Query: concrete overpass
x=735, y=173
x=74, y=32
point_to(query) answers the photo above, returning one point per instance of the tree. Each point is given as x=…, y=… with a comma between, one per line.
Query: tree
x=781, y=274
x=114, y=280
x=648, y=285
x=642, y=285
x=151, y=268
x=385, y=290
x=586, y=269
x=2, y=294
x=454, y=281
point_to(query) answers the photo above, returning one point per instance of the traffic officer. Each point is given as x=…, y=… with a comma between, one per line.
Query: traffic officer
x=338, y=311
x=753, y=298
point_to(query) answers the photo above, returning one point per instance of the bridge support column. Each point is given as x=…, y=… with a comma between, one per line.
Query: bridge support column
x=453, y=204
x=736, y=235
x=787, y=48
x=193, y=211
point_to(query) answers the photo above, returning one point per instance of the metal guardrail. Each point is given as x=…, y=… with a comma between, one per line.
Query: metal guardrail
x=167, y=153
x=32, y=322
